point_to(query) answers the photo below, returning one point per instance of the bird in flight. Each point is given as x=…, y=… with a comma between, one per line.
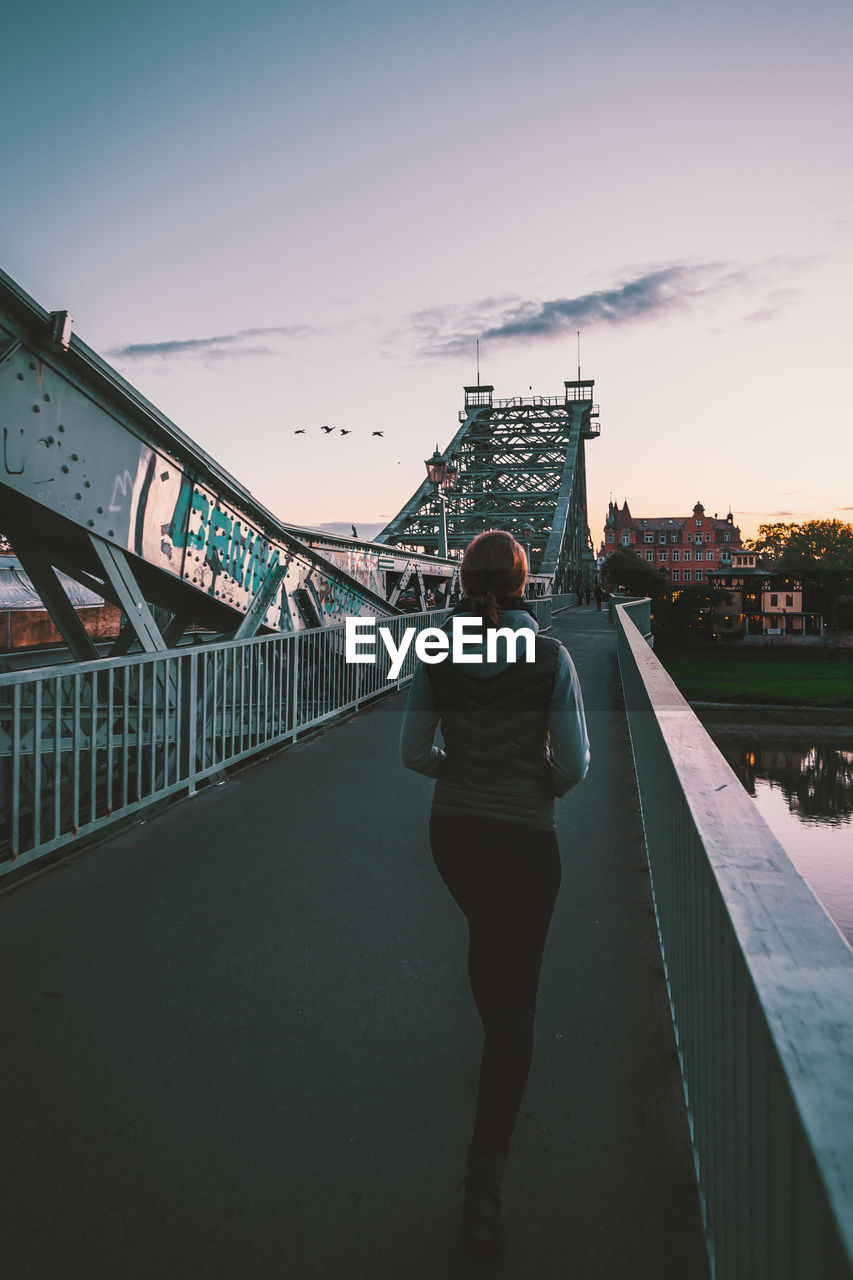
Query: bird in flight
x=377, y=433
x=300, y=432
x=327, y=429
x=344, y=433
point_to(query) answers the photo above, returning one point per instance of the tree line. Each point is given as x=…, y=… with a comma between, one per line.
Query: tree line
x=818, y=552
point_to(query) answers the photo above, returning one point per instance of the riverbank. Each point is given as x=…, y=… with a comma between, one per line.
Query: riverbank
x=804, y=683
x=831, y=726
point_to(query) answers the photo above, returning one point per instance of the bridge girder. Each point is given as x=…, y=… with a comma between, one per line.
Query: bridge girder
x=520, y=466
x=95, y=482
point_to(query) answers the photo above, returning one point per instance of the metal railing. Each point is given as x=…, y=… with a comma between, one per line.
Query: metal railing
x=566, y=601
x=88, y=743
x=761, y=989
x=85, y=744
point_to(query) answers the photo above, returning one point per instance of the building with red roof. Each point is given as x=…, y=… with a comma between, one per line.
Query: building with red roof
x=686, y=549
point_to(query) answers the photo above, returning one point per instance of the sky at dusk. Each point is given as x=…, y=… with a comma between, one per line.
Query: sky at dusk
x=270, y=217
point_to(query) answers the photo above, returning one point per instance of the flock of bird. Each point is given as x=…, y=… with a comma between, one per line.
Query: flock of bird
x=300, y=431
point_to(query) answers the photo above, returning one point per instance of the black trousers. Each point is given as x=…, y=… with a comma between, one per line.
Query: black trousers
x=505, y=877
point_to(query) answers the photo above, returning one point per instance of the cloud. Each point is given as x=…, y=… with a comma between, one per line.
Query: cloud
x=658, y=291
x=226, y=346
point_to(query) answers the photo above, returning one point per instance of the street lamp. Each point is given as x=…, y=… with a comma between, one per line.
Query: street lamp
x=441, y=473
x=527, y=537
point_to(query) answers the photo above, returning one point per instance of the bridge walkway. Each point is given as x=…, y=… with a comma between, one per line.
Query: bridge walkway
x=238, y=1040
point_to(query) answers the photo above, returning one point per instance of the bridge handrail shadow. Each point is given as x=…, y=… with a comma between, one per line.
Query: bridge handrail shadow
x=761, y=988
x=86, y=744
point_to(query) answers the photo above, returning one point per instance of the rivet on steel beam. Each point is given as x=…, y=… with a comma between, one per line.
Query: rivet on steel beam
x=32, y=364
x=64, y=468
x=112, y=533
x=45, y=396
x=87, y=484
x=100, y=511
x=36, y=408
x=78, y=496
x=20, y=377
x=74, y=457
x=91, y=524
x=60, y=427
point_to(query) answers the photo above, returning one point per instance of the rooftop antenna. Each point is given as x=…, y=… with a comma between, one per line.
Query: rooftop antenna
x=478, y=362
x=579, y=355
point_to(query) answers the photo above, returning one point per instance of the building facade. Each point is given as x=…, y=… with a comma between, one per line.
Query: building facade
x=685, y=549
x=764, y=603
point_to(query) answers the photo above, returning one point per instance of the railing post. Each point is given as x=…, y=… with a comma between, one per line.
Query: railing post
x=294, y=685
x=192, y=726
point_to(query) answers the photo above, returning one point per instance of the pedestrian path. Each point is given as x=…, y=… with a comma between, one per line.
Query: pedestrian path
x=239, y=1042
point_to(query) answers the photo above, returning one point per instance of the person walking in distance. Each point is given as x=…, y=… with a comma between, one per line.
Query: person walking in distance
x=514, y=739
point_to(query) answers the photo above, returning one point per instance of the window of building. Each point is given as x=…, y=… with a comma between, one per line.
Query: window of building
x=610, y=537
x=626, y=538
x=698, y=524
x=697, y=577
x=650, y=555
x=673, y=537
x=789, y=601
x=687, y=575
x=774, y=600
x=676, y=575
x=709, y=555
x=707, y=537
x=662, y=555
x=662, y=538
x=649, y=537
x=676, y=555
x=727, y=537
x=687, y=554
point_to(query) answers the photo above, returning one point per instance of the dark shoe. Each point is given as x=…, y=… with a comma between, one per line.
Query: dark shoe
x=481, y=1211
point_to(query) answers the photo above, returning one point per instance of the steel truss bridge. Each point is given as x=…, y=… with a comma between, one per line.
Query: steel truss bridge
x=97, y=484
x=519, y=466
x=231, y=637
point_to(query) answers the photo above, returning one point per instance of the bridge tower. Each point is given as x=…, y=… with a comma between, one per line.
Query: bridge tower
x=519, y=466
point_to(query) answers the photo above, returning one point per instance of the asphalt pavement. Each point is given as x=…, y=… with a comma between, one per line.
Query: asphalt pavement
x=238, y=1039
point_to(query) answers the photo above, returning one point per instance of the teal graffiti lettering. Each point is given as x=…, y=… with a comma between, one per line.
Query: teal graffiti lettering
x=258, y=566
x=178, y=526
x=219, y=535
x=202, y=506
x=240, y=544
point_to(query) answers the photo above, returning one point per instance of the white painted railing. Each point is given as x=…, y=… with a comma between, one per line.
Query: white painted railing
x=761, y=989
x=85, y=744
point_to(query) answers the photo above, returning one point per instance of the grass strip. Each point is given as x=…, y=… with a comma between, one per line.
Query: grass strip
x=818, y=683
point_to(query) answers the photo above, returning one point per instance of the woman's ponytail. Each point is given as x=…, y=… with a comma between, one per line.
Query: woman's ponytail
x=487, y=606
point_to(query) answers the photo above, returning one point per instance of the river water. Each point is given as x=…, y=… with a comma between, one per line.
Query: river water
x=804, y=790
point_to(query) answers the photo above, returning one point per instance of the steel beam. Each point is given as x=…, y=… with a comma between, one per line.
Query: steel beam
x=254, y=616
x=126, y=589
x=38, y=567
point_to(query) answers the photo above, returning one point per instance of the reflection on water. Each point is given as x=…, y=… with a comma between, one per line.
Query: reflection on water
x=816, y=781
x=804, y=791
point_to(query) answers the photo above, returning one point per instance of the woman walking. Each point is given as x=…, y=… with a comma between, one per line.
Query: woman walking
x=514, y=738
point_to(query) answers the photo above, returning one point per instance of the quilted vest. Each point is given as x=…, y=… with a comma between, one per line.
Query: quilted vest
x=495, y=732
